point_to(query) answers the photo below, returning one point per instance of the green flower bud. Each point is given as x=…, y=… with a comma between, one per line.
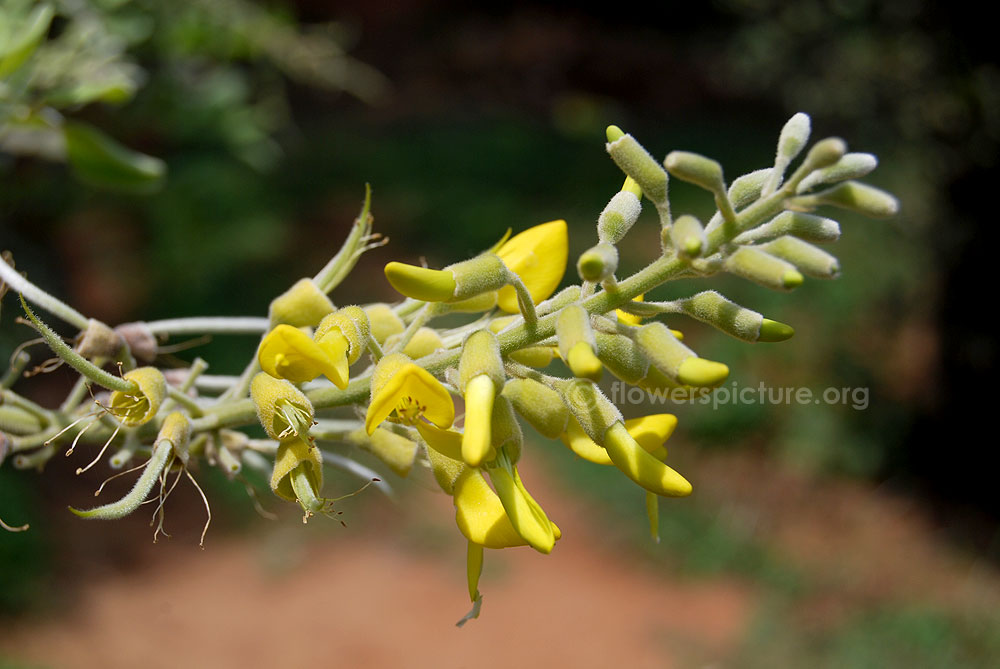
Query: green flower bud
x=424, y=342
x=621, y=356
x=481, y=356
x=304, y=304
x=697, y=169
x=618, y=216
x=676, y=360
x=793, y=138
x=851, y=166
x=807, y=227
x=538, y=404
x=395, y=450
x=688, y=236
x=747, y=188
x=576, y=342
x=823, y=154
x=712, y=308
x=763, y=269
x=589, y=407
x=383, y=322
x=808, y=259
x=636, y=162
x=598, y=262
x=853, y=196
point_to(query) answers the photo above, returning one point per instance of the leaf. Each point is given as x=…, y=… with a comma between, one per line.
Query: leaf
x=101, y=161
x=22, y=39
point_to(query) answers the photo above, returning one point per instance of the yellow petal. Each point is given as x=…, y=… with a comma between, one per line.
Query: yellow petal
x=649, y=431
x=627, y=318
x=336, y=346
x=480, y=515
x=289, y=353
x=578, y=442
x=642, y=467
x=445, y=442
x=474, y=568
x=538, y=255
x=413, y=382
x=476, y=441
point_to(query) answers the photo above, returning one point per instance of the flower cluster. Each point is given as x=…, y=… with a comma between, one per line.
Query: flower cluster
x=397, y=380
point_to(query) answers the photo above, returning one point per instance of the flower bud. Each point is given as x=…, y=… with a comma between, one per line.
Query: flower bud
x=304, y=304
x=747, y=188
x=688, y=236
x=793, y=137
x=636, y=463
x=763, y=269
x=352, y=323
x=481, y=356
x=589, y=407
x=484, y=273
x=598, y=262
x=808, y=259
x=538, y=404
x=853, y=196
x=137, y=408
x=636, y=162
x=140, y=340
x=851, y=166
x=823, y=154
x=395, y=450
x=659, y=344
x=576, y=342
x=474, y=305
x=424, y=342
x=807, y=227
x=383, y=321
x=99, y=341
x=712, y=308
x=505, y=431
x=618, y=217
x=621, y=356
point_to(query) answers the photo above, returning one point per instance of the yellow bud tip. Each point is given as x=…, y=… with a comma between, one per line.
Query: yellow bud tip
x=792, y=279
x=420, y=283
x=614, y=133
x=590, y=266
x=583, y=363
x=678, y=334
x=631, y=186
x=772, y=331
x=692, y=246
x=701, y=372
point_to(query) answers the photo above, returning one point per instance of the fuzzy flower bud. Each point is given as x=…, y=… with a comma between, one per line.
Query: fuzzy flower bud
x=576, y=342
x=598, y=262
x=618, y=216
x=853, y=196
x=763, y=269
x=302, y=305
x=676, y=360
x=383, y=321
x=688, y=236
x=539, y=405
x=808, y=259
x=636, y=162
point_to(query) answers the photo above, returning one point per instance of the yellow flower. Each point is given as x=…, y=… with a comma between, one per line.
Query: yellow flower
x=650, y=431
x=411, y=391
x=538, y=255
x=289, y=353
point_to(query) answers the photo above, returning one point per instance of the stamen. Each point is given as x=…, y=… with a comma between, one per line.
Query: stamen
x=207, y=508
x=101, y=454
x=114, y=476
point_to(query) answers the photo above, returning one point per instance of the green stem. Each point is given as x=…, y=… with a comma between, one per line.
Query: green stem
x=341, y=264
x=21, y=285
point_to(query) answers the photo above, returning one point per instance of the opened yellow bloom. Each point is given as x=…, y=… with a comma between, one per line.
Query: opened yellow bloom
x=538, y=255
x=289, y=353
x=400, y=386
x=650, y=431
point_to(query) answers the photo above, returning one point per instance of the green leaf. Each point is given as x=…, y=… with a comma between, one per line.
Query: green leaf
x=20, y=39
x=101, y=161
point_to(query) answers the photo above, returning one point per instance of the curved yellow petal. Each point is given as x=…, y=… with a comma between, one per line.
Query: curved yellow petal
x=527, y=517
x=651, y=431
x=538, y=255
x=445, y=442
x=627, y=318
x=336, y=347
x=480, y=515
x=577, y=440
x=642, y=467
x=480, y=394
x=410, y=387
x=289, y=353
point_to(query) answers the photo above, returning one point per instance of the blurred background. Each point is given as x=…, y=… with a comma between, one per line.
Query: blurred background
x=817, y=535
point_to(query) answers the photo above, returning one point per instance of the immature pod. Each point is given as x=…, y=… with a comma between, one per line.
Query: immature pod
x=808, y=259
x=806, y=227
x=636, y=162
x=302, y=305
x=538, y=404
x=598, y=263
x=137, y=408
x=851, y=166
x=659, y=345
x=712, y=308
x=853, y=196
x=576, y=342
x=618, y=217
x=688, y=236
x=763, y=269
x=383, y=321
x=481, y=378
